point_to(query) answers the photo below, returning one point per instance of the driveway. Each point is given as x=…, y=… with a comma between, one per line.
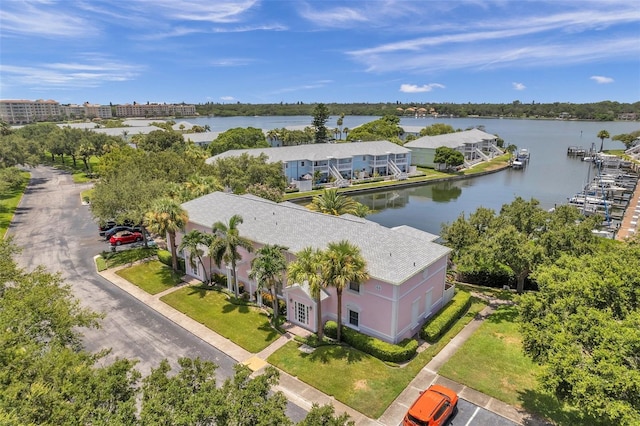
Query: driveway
x=55, y=230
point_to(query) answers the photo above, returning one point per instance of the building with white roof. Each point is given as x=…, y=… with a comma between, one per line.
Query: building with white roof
x=407, y=267
x=474, y=144
x=336, y=161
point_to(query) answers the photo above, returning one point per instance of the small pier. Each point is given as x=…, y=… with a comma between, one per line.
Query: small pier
x=576, y=151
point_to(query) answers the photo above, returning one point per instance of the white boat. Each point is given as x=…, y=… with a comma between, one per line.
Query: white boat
x=523, y=155
x=581, y=199
x=517, y=164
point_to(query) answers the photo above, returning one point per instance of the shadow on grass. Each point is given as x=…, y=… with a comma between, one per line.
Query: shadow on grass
x=547, y=406
x=168, y=278
x=324, y=354
x=201, y=291
x=504, y=314
x=230, y=307
x=124, y=257
x=272, y=333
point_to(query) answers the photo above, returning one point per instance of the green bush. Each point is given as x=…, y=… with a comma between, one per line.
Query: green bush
x=444, y=319
x=164, y=256
x=384, y=351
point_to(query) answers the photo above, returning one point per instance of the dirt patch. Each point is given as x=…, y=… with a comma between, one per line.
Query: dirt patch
x=361, y=385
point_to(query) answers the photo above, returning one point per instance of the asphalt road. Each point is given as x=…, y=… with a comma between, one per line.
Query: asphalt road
x=56, y=231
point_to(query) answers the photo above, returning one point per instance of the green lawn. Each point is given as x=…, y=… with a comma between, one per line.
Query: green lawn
x=356, y=379
x=8, y=203
x=245, y=325
x=153, y=276
x=492, y=362
x=78, y=171
x=123, y=257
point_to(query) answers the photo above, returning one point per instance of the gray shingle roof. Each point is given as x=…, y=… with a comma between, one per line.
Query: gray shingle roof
x=316, y=152
x=451, y=140
x=392, y=255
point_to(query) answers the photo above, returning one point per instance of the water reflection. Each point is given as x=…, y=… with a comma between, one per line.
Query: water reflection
x=441, y=192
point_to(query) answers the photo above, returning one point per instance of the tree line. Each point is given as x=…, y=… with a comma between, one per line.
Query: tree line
x=599, y=111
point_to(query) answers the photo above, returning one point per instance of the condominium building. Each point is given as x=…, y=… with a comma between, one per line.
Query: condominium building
x=86, y=110
x=22, y=111
x=154, y=110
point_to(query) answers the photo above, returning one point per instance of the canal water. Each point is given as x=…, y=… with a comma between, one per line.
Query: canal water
x=550, y=176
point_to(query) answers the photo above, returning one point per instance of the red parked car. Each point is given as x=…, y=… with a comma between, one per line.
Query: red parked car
x=125, y=237
x=433, y=407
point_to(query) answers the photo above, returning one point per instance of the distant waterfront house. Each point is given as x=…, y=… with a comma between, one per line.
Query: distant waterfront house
x=407, y=268
x=339, y=162
x=475, y=145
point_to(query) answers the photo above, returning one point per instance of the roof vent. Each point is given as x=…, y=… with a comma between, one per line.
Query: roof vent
x=414, y=263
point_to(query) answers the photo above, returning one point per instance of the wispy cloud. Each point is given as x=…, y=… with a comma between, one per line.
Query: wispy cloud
x=502, y=55
x=518, y=86
x=413, y=88
x=218, y=11
x=227, y=98
x=230, y=62
x=30, y=18
x=70, y=75
x=333, y=17
x=601, y=79
x=315, y=85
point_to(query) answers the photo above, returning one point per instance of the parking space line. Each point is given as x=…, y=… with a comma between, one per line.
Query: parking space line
x=471, y=418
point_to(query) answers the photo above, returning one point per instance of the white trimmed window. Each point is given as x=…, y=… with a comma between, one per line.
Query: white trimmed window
x=354, y=318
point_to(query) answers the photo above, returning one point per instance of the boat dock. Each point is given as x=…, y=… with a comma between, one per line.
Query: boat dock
x=629, y=225
x=613, y=193
x=576, y=151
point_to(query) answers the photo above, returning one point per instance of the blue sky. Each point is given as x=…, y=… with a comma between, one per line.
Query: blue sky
x=271, y=51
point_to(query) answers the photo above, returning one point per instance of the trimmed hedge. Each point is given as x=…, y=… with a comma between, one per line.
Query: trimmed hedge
x=164, y=256
x=384, y=351
x=444, y=319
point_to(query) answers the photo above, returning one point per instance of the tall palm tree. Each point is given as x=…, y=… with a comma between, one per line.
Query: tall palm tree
x=225, y=247
x=193, y=241
x=602, y=135
x=343, y=265
x=346, y=131
x=167, y=217
x=308, y=267
x=331, y=202
x=268, y=268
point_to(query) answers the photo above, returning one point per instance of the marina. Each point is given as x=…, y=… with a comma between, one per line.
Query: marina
x=609, y=193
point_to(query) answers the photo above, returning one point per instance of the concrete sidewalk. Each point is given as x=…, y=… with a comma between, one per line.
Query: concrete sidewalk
x=304, y=395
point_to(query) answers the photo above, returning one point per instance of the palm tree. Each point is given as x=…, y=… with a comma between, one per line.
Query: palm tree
x=343, y=266
x=225, y=247
x=273, y=135
x=308, y=267
x=603, y=134
x=192, y=241
x=167, y=217
x=346, y=131
x=267, y=268
x=331, y=202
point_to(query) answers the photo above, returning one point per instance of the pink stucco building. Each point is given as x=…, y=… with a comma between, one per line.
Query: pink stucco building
x=407, y=267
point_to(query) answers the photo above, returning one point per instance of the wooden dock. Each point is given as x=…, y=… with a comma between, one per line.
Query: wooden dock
x=629, y=225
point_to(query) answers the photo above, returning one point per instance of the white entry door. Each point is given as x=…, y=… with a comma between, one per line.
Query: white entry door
x=301, y=313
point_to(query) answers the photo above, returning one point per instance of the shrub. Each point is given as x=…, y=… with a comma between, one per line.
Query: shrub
x=164, y=256
x=384, y=351
x=219, y=279
x=444, y=319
